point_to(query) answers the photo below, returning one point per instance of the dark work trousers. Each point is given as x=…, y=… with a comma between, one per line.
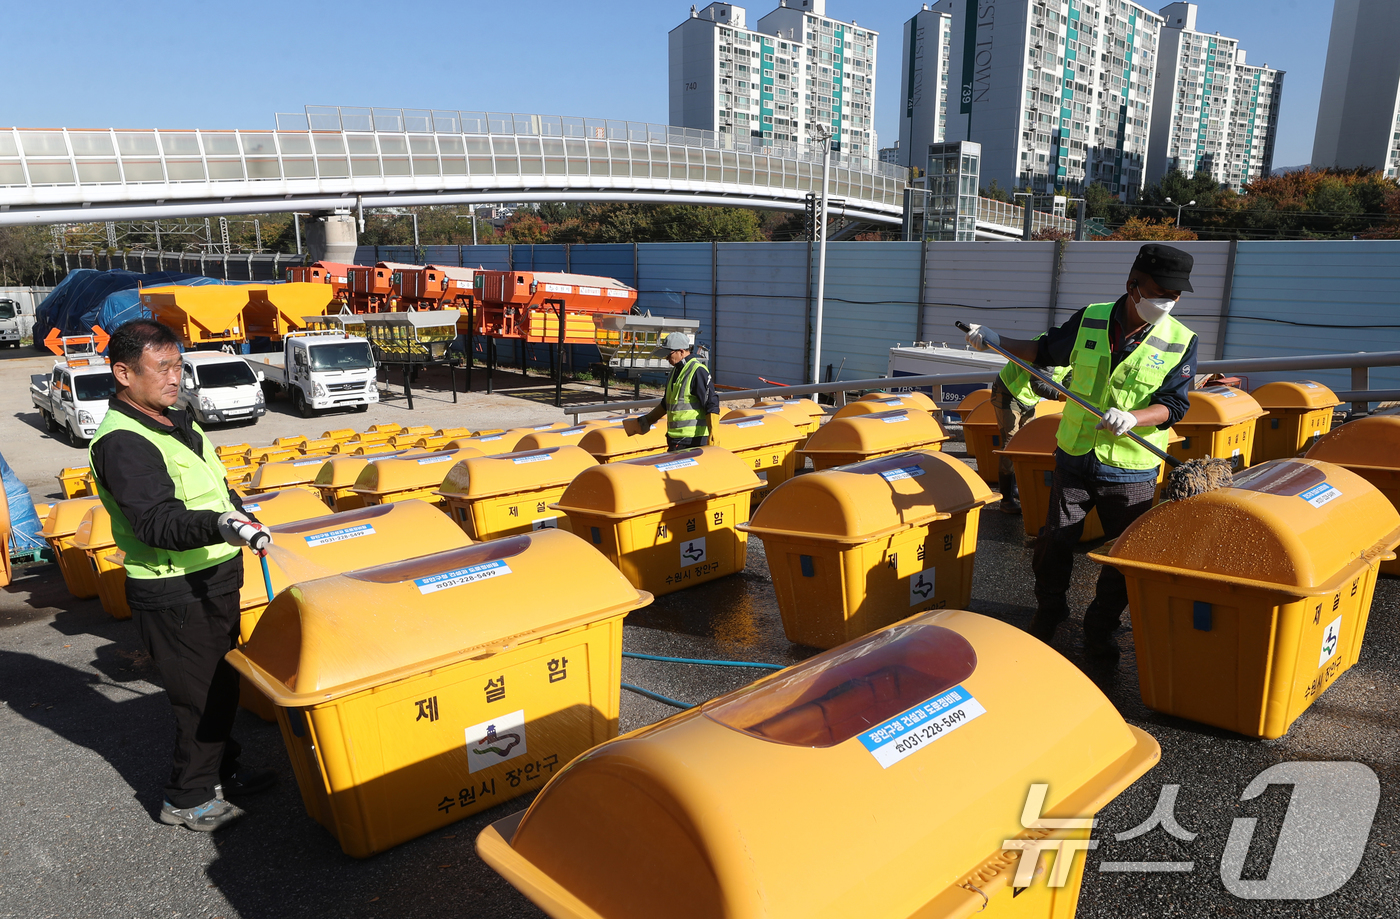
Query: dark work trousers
x=1072, y=496
x=188, y=644
x=686, y=443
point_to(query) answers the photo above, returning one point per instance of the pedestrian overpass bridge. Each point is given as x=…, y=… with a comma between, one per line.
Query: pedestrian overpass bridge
x=337, y=161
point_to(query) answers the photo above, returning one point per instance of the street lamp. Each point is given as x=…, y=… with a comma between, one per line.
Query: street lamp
x=473, y=217
x=824, y=136
x=1191, y=203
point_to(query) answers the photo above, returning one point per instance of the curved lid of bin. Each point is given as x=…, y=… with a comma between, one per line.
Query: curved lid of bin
x=299, y=471
x=321, y=446
x=1297, y=526
x=984, y=413
x=611, y=440
x=292, y=440
x=910, y=399
x=342, y=469
x=327, y=544
x=95, y=531
x=66, y=516
x=717, y=800
x=405, y=473
x=969, y=402
x=1037, y=436
x=1220, y=406
x=797, y=415
x=417, y=429
x=336, y=635
x=1304, y=395
x=811, y=408
x=513, y=473
x=260, y=455
x=369, y=449
x=452, y=433
x=489, y=444
x=650, y=483
x=747, y=433
x=864, y=501
x=1372, y=442
x=285, y=505
x=878, y=432
x=338, y=434
x=554, y=437
x=232, y=450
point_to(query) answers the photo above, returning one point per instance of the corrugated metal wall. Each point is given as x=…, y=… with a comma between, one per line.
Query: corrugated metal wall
x=1286, y=297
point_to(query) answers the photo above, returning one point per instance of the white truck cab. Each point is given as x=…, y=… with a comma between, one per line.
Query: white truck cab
x=10, y=317
x=321, y=370
x=72, y=397
x=216, y=388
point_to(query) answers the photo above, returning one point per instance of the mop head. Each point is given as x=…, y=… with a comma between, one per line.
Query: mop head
x=1196, y=477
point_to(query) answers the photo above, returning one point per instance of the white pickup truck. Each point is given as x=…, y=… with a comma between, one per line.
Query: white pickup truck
x=320, y=370
x=218, y=387
x=73, y=397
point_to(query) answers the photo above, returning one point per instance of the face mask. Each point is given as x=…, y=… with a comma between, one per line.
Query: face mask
x=1153, y=309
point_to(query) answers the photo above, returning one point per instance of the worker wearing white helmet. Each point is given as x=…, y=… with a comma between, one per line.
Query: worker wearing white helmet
x=689, y=401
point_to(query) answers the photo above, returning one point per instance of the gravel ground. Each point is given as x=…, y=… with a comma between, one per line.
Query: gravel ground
x=85, y=729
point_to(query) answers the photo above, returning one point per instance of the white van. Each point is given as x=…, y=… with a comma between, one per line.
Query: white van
x=216, y=387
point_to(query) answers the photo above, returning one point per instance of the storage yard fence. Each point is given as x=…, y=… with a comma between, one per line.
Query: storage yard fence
x=755, y=302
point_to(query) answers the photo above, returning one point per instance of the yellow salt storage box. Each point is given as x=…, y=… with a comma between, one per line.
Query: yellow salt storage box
x=856, y=438
x=295, y=440
x=968, y=404
x=239, y=476
x=1298, y=414
x=710, y=813
x=256, y=456
x=803, y=414
x=337, y=478
x=767, y=443
x=490, y=444
x=1219, y=423
x=860, y=547
x=326, y=544
x=554, y=437
x=372, y=449
x=232, y=452
x=612, y=444
x=1369, y=447
x=339, y=435
x=452, y=433
x=371, y=438
x=76, y=482
x=417, y=430
x=402, y=715
x=286, y=473
x=495, y=496
x=283, y=506
x=1032, y=452
x=403, y=478
x=667, y=521
x=982, y=435
x=1249, y=601
x=322, y=446
x=94, y=538
x=60, y=526
x=887, y=401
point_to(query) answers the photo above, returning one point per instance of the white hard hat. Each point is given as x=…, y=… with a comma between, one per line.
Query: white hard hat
x=675, y=341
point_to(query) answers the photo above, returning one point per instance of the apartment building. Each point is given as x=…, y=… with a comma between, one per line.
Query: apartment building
x=928, y=38
x=1358, y=116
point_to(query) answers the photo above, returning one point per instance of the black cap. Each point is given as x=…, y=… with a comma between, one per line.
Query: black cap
x=1169, y=267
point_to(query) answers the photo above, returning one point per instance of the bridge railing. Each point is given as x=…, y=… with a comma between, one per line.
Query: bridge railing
x=1012, y=216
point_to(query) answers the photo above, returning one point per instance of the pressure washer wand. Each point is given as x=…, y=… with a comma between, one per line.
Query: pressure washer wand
x=1171, y=461
x=267, y=576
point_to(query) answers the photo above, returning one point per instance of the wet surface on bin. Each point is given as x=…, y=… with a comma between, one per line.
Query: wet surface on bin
x=86, y=733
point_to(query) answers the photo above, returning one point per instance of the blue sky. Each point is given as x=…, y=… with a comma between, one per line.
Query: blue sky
x=164, y=64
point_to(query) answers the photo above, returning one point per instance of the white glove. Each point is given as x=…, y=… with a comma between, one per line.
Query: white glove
x=238, y=530
x=979, y=337
x=1117, y=421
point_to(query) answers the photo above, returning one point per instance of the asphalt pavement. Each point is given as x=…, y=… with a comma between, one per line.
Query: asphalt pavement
x=86, y=734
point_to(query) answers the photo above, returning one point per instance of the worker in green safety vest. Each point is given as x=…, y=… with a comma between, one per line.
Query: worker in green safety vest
x=1133, y=361
x=1015, y=394
x=182, y=529
x=689, y=401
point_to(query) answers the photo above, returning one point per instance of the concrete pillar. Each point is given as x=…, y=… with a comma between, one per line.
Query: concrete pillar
x=331, y=238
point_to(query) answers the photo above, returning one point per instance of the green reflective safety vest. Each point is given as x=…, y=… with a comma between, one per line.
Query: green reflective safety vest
x=1128, y=387
x=1018, y=381
x=199, y=485
x=683, y=417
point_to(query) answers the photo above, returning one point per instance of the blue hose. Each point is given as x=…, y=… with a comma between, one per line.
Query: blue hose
x=708, y=663
x=657, y=696
x=267, y=576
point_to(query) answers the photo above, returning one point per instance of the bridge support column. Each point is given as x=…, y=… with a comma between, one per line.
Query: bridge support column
x=332, y=238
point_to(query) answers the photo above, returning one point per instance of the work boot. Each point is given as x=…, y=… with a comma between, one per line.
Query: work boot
x=1099, y=643
x=202, y=818
x=1047, y=620
x=1010, y=498
x=246, y=781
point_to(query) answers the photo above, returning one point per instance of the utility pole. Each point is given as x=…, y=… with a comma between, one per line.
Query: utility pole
x=825, y=136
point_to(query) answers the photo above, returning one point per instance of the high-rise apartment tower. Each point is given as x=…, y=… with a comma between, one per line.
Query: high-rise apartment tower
x=1358, y=117
x=923, y=84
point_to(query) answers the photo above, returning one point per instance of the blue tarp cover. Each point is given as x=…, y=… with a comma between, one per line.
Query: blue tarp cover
x=87, y=298
x=24, y=522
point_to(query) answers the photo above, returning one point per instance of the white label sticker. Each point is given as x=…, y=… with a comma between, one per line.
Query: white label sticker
x=572, y=432
x=558, y=289
x=545, y=523
x=543, y=427
x=591, y=291
x=318, y=461
x=252, y=508
x=1310, y=385
x=429, y=460
x=532, y=458
x=904, y=472
x=495, y=741
x=1319, y=495
x=752, y=423
x=921, y=587
x=330, y=536
x=920, y=726
x=693, y=552
x=769, y=411
x=614, y=292
x=1330, y=640
x=895, y=401
x=676, y=464
x=895, y=419
x=491, y=437
x=459, y=576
